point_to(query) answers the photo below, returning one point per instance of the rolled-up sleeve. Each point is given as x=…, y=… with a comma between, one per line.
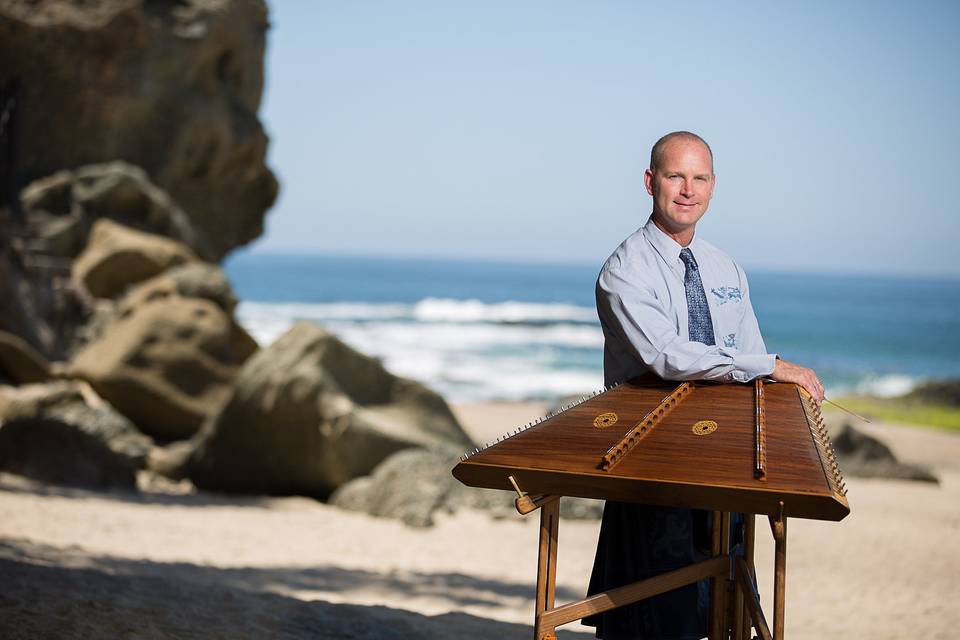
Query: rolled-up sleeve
x=640, y=321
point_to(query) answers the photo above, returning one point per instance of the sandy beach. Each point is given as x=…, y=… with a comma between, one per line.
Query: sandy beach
x=76, y=563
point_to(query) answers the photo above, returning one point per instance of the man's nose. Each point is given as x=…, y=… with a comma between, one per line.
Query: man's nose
x=687, y=189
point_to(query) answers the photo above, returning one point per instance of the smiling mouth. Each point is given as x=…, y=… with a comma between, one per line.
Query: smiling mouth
x=685, y=204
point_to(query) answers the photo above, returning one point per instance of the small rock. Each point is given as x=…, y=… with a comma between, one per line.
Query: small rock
x=414, y=485
x=864, y=456
x=945, y=392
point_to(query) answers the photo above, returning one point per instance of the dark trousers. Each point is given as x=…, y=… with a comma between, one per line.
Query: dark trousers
x=643, y=541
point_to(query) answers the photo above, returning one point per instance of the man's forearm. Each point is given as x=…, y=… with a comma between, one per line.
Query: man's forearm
x=686, y=360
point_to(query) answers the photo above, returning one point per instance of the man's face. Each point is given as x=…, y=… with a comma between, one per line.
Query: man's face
x=681, y=185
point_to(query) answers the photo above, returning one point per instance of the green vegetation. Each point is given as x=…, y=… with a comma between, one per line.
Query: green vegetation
x=905, y=409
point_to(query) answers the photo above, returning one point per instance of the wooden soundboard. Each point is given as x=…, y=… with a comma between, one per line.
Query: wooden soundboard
x=757, y=448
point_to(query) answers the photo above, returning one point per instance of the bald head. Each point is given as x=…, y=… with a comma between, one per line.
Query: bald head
x=656, y=154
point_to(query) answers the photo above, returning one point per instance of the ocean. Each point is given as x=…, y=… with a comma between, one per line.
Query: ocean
x=478, y=331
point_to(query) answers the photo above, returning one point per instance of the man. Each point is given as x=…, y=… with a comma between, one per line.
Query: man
x=675, y=305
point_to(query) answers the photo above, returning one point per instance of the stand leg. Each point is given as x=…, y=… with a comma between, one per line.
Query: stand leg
x=727, y=585
x=779, y=526
x=718, y=591
x=742, y=626
x=547, y=568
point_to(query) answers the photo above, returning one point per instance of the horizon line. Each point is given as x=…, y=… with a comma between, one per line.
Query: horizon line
x=314, y=252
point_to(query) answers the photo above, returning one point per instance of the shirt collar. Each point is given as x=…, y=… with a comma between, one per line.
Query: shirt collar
x=667, y=247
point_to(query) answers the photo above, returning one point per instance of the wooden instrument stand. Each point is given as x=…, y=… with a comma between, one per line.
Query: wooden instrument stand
x=735, y=602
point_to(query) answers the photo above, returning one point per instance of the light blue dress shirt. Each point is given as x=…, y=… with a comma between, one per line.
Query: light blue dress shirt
x=642, y=306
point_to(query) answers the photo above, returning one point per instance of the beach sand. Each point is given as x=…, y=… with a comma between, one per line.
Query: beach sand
x=77, y=563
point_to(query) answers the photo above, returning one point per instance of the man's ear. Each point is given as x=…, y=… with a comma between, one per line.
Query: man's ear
x=648, y=181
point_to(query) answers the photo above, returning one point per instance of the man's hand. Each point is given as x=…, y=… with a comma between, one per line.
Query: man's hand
x=784, y=371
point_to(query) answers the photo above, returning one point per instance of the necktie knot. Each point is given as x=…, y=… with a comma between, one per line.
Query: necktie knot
x=688, y=260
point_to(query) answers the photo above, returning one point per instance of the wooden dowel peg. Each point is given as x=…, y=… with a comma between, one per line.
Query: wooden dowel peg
x=516, y=487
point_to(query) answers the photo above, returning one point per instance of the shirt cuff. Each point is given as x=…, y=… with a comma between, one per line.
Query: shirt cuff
x=746, y=367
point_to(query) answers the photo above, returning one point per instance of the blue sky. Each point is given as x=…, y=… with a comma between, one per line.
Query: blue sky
x=520, y=130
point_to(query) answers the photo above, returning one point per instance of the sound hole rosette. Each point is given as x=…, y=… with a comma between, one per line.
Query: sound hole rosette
x=605, y=420
x=705, y=427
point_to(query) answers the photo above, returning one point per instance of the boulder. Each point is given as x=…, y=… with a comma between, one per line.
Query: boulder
x=864, y=456
x=308, y=413
x=172, y=87
x=166, y=364
x=117, y=256
x=62, y=208
x=52, y=451
x=412, y=486
x=415, y=485
x=19, y=362
x=60, y=432
x=75, y=403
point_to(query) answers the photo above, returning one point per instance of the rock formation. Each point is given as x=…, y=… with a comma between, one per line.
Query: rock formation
x=132, y=161
x=308, y=413
x=172, y=87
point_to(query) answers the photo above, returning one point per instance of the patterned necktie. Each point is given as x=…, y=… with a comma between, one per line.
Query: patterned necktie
x=698, y=313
